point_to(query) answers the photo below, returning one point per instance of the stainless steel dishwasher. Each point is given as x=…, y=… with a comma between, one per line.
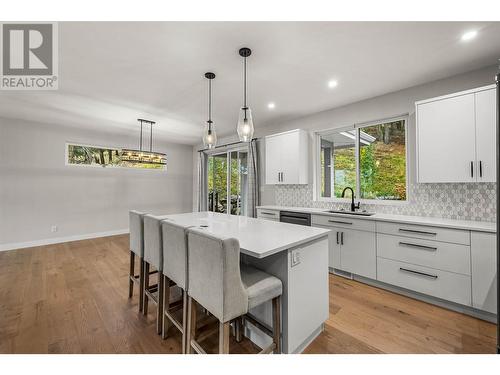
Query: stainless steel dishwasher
x=300, y=218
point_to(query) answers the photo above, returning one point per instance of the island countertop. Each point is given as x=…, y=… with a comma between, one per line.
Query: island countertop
x=258, y=238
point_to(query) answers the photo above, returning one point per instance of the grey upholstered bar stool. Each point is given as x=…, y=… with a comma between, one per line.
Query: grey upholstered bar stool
x=216, y=282
x=136, y=226
x=153, y=257
x=174, y=273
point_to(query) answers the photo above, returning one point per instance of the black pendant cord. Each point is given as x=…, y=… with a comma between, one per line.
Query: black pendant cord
x=140, y=147
x=209, y=105
x=497, y=81
x=245, y=83
x=151, y=138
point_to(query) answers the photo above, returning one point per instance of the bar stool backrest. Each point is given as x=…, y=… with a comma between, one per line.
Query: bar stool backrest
x=136, y=226
x=153, y=242
x=214, y=278
x=175, y=252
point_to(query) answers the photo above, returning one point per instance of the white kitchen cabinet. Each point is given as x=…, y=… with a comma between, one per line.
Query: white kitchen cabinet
x=287, y=158
x=266, y=214
x=358, y=252
x=455, y=137
x=486, y=135
x=484, y=275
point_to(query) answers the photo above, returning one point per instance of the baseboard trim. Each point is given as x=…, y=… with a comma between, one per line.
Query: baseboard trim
x=51, y=241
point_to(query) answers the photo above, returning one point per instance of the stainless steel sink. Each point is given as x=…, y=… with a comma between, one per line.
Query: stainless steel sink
x=358, y=213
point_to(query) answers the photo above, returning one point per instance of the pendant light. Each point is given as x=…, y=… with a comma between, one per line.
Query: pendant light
x=245, y=123
x=209, y=136
x=143, y=156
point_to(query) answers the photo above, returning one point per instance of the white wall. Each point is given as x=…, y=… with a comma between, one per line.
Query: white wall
x=37, y=189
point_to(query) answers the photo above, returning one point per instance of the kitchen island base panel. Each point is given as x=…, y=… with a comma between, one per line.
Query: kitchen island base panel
x=305, y=300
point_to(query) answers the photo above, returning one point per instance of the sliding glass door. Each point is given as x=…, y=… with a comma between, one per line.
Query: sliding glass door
x=228, y=182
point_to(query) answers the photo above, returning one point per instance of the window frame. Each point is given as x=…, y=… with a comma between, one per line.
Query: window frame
x=317, y=162
x=67, y=164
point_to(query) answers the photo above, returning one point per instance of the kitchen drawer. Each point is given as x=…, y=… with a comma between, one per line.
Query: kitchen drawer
x=425, y=232
x=268, y=214
x=441, y=284
x=343, y=222
x=441, y=255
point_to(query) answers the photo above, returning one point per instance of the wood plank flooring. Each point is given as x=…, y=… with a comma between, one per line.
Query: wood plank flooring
x=73, y=298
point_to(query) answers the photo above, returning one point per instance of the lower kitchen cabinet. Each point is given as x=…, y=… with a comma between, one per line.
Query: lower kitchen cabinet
x=484, y=275
x=358, y=253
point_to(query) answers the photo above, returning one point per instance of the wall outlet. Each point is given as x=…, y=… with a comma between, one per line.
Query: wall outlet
x=53, y=228
x=295, y=258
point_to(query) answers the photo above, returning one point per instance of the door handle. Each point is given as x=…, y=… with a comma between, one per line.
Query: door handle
x=337, y=238
x=472, y=169
x=417, y=231
x=480, y=169
x=339, y=222
x=341, y=238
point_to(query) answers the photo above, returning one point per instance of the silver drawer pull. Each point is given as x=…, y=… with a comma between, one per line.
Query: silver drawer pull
x=418, y=273
x=417, y=232
x=267, y=213
x=418, y=246
x=339, y=222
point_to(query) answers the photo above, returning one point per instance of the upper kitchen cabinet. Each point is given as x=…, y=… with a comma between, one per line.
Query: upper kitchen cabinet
x=456, y=137
x=287, y=158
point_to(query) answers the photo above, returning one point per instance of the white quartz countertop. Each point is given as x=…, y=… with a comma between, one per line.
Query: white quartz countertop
x=480, y=226
x=258, y=237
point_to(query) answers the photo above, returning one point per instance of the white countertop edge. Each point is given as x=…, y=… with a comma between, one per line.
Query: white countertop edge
x=479, y=226
x=286, y=247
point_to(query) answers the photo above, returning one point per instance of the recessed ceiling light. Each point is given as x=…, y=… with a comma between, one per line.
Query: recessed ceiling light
x=332, y=84
x=469, y=35
x=271, y=105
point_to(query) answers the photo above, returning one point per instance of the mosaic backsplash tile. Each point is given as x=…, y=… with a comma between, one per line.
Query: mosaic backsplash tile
x=451, y=201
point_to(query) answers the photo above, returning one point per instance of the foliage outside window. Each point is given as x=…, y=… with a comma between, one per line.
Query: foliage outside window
x=101, y=156
x=370, y=159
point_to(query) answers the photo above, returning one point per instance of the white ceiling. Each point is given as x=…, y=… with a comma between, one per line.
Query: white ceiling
x=113, y=73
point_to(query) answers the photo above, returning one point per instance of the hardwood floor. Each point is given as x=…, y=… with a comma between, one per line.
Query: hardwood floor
x=73, y=298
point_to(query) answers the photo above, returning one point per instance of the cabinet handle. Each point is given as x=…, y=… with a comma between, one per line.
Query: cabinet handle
x=418, y=246
x=281, y=176
x=267, y=213
x=472, y=169
x=339, y=222
x=341, y=238
x=337, y=238
x=418, y=273
x=480, y=169
x=417, y=231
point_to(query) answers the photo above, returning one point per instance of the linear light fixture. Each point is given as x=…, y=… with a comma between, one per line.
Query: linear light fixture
x=144, y=156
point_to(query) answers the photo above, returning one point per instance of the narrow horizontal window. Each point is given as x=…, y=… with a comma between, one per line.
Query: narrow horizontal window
x=98, y=156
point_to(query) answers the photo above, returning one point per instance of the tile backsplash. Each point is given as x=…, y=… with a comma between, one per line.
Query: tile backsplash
x=468, y=201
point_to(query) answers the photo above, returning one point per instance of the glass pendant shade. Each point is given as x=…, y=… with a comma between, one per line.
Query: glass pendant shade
x=209, y=136
x=245, y=125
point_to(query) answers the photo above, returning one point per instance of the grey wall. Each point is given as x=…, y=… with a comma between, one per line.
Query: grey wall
x=37, y=189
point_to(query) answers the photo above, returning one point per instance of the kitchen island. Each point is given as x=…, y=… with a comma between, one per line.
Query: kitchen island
x=297, y=255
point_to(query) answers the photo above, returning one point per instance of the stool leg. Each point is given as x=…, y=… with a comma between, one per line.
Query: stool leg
x=184, y=321
x=191, y=327
x=141, y=284
x=131, y=275
x=238, y=326
x=146, y=286
x=159, y=305
x=166, y=305
x=277, y=324
x=224, y=329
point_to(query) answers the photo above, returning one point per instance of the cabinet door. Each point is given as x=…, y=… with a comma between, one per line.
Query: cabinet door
x=486, y=135
x=273, y=160
x=333, y=246
x=446, y=140
x=484, y=273
x=289, y=147
x=357, y=253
